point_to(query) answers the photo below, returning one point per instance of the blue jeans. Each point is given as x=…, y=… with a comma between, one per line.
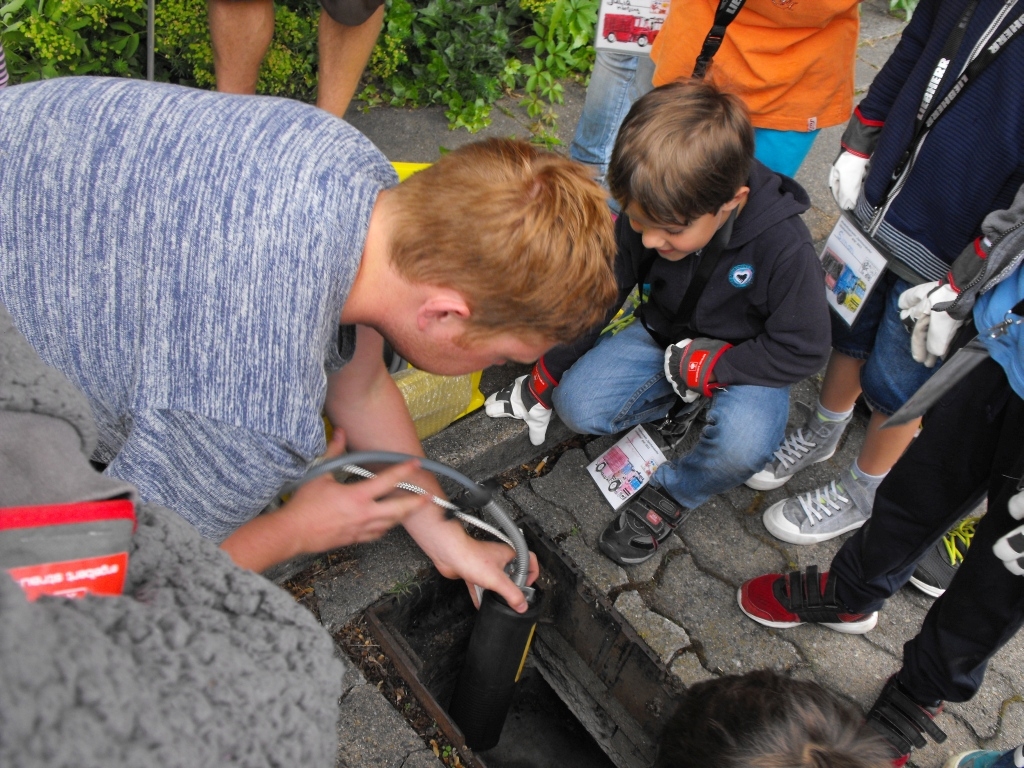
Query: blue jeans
x=890, y=375
x=617, y=81
x=621, y=383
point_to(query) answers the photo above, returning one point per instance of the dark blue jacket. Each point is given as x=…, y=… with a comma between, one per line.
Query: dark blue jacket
x=972, y=161
x=766, y=295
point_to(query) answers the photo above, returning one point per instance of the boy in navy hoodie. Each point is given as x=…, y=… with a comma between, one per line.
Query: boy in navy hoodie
x=697, y=208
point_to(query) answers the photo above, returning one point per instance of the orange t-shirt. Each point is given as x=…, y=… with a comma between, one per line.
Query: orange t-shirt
x=791, y=61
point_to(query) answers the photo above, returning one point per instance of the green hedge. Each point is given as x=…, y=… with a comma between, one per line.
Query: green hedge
x=464, y=54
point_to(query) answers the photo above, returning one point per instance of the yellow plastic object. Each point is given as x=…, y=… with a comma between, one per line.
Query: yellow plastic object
x=405, y=170
x=436, y=401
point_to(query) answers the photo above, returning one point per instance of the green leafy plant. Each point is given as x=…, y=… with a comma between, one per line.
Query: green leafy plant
x=904, y=7
x=462, y=54
x=459, y=53
x=561, y=45
x=403, y=586
x=289, y=68
x=47, y=38
x=51, y=38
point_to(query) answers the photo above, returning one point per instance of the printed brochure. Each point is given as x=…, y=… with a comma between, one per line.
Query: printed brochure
x=627, y=466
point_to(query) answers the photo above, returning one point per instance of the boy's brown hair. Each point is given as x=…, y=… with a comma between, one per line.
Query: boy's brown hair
x=765, y=720
x=524, y=235
x=683, y=151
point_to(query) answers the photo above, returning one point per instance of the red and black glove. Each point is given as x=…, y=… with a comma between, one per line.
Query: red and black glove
x=688, y=366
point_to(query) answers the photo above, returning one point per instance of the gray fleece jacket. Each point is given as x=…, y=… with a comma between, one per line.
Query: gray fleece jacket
x=989, y=260
x=199, y=663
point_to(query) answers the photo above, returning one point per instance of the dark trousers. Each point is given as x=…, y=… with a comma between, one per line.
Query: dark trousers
x=972, y=444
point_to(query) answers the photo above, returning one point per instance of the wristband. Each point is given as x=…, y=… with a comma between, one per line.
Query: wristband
x=541, y=384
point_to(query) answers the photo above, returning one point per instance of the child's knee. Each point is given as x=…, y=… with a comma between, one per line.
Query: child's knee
x=751, y=433
x=742, y=456
x=576, y=410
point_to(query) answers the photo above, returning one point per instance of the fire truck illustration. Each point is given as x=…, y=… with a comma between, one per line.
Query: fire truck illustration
x=625, y=28
x=620, y=473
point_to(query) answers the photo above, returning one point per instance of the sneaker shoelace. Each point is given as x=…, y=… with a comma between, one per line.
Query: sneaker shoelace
x=823, y=502
x=963, y=533
x=794, y=447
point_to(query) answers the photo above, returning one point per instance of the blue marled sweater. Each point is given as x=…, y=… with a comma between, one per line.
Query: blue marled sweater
x=184, y=257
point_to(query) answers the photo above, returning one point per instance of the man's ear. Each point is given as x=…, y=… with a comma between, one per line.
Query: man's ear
x=737, y=200
x=441, y=307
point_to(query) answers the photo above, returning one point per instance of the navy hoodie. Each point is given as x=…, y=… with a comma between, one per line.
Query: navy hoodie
x=972, y=161
x=766, y=295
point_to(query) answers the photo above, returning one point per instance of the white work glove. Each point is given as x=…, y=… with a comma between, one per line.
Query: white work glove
x=1010, y=548
x=688, y=367
x=931, y=329
x=846, y=177
x=527, y=398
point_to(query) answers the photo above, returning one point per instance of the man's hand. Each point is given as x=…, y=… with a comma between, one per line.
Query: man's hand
x=527, y=398
x=457, y=555
x=324, y=514
x=846, y=177
x=689, y=366
x=931, y=328
x=329, y=514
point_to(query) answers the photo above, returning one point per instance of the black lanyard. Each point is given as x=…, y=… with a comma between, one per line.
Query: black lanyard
x=727, y=11
x=930, y=111
x=946, y=59
x=709, y=256
x=974, y=69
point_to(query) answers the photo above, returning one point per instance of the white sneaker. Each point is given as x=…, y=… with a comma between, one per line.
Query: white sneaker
x=822, y=514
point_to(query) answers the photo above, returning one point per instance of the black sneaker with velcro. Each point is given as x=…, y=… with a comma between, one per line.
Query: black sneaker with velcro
x=902, y=722
x=645, y=521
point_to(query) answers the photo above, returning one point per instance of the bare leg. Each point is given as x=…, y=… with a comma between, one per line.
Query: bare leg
x=841, y=387
x=240, y=31
x=882, y=448
x=344, y=52
x=839, y=392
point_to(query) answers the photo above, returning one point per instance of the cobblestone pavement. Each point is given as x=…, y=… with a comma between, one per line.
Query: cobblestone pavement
x=682, y=602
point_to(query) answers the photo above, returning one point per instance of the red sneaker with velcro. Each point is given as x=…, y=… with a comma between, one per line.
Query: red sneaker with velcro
x=800, y=597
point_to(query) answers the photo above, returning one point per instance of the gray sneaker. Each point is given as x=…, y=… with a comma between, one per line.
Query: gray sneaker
x=940, y=563
x=815, y=441
x=824, y=513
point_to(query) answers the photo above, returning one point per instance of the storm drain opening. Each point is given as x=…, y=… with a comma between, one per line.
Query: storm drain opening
x=590, y=694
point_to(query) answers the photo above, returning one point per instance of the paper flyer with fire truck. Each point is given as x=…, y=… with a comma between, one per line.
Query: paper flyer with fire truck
x=627, y=466
x=629, y=26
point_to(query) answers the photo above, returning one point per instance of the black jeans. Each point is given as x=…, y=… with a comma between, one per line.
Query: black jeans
x=972, y=444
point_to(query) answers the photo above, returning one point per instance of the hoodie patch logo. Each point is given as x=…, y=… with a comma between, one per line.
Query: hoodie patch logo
x=741, y=276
